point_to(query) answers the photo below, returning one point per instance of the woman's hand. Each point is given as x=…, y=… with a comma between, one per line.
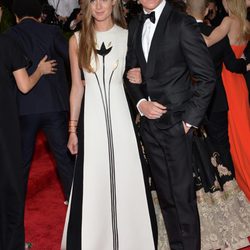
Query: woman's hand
x=73, y=143
x=134, y=76
x=47, y=67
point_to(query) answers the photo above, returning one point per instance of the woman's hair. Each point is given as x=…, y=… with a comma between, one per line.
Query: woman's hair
x=87, y=44
x=238, y=8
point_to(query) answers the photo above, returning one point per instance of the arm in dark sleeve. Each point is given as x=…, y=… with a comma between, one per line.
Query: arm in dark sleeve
x=247, y=52
x=201, y=68
x=230, y=61
x=134, y=90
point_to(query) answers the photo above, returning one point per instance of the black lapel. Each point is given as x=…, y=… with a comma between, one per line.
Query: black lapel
x=159, y=31
x=139, y=50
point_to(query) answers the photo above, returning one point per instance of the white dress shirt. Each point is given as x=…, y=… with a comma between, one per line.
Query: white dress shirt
x=149, y=29
x=147, y=36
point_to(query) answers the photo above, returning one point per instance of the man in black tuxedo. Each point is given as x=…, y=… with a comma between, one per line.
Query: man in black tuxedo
x=166, y=47
x=46, y=106
x=221, y=52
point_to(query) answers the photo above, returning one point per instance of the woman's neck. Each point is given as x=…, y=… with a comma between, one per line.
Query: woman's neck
x=104, y=25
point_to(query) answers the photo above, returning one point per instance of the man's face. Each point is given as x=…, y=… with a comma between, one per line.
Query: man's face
x=150, y=5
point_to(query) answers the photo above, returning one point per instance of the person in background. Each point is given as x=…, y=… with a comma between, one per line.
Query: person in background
x=13, y=71
x=1, y=12
x=63, y=8
x=131, y=9
x=74, y=21
x=247, y=52
x=236, y=26
x=214, y=170
x=210, y=18
x=46, y=106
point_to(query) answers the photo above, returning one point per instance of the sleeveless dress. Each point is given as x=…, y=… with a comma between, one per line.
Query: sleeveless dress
x=238, y=123
x=113, y=214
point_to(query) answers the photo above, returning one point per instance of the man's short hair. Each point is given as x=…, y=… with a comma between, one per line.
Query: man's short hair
x=197, y=6
x=23, y=8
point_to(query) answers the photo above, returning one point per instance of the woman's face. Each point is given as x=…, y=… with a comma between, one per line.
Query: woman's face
x=101, y=9
x=248, y=3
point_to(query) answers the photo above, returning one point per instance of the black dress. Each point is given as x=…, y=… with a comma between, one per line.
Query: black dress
x=11, y=172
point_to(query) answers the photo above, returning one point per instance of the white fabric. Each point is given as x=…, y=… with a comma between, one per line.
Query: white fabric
x=64, y=7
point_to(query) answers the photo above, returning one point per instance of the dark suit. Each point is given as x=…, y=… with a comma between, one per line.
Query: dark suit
x=177, y=51
x=217, y=123
x=46, y=105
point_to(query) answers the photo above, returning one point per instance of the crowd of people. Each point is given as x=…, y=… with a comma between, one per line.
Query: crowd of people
x=146, y=111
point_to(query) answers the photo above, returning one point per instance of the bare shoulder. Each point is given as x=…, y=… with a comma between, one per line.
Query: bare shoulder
x=73, y=41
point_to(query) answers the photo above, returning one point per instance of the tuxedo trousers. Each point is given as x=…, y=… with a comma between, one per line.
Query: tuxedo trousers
x=55, y=127
x=169, y=153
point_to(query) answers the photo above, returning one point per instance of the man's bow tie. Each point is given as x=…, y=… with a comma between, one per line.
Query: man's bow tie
x=151, y=17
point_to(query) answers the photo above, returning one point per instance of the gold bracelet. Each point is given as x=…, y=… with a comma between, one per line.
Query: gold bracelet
x=72, y=132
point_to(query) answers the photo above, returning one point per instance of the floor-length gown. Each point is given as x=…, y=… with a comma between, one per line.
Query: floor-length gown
x=110, y=211
x=238, y=123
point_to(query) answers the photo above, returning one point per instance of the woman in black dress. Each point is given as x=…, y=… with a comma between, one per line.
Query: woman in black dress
x=12, y=69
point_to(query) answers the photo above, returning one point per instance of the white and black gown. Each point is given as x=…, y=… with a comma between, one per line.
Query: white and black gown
x=108, y=207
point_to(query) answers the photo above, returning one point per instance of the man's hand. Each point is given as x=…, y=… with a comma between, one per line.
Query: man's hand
x=78, y=17
x=152, y=110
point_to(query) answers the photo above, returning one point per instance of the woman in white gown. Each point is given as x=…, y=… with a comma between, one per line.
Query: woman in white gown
x=108, y=208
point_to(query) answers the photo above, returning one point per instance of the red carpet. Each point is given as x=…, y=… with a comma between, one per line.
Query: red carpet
x=45, y=211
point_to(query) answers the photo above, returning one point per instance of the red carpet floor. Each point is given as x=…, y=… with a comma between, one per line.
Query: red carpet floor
x=45, y=210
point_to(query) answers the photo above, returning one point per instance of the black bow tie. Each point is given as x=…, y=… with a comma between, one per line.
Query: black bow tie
x=151, y=17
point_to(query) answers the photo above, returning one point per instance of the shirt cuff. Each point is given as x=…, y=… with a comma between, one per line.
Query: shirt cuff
x=189, y=125
x=137, y=105
x=72, y=25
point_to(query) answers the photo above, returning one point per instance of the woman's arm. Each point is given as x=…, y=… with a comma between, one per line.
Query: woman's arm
x=219, y=32
x=76, y=95
x=25, y=82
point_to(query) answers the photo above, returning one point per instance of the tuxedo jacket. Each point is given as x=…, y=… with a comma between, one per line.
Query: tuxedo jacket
x=51, y=93
x=221, y=53
x=177, y=55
